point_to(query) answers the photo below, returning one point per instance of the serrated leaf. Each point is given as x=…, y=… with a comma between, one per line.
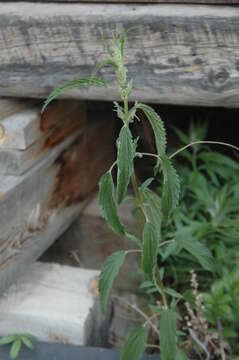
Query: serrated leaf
x=109, y=271
x=108, y=204
x=152, y=209
x=7, y=339
x=73, y=84
x=168, y=334
x=125, y=163
x=103, y=63
x=200, y=252
x=157, y=126
x=171, y=188
x=15, y=349
x=146, y=184
x=28, y=342
x=150, y=248
x=135, y=344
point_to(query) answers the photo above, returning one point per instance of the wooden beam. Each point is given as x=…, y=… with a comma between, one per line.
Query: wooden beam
x=51, y=302
x=176, y=54
x=214, y=2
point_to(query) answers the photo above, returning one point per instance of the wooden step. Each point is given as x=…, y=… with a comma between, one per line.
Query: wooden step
x=54, y=303
x=176, y=54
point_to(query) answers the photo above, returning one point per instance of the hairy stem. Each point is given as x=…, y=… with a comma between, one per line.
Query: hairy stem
x=142, y=217
x=161, y=286
x=203, y=142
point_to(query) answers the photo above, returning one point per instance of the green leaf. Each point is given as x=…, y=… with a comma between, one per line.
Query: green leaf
x=200, y=252
x=15, y=349
x=157, y=126
x=146, y=184
x=150, y=248
x=7, y=339
x=124, y=162
x=103, y=63
x=108, y=204
x=168, y=334
x=173, y=293
x=180, y=355
x=171, y=188
x=28, y=342
x=152, y=209
x=73, y=84
x=134, y=238
x=109, y=271
x=135, y=344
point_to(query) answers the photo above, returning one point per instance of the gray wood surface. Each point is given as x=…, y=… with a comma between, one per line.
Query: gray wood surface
x=176, y=54
x=45, y=303
x=215, y=2
x=22, y=124
x=39, y=133
x=37, y=207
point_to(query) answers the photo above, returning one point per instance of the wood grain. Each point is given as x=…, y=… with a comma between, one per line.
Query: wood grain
x=48, y=296
x=39, y=133
x=176, y=54
x=214, y=2
x=37, y=207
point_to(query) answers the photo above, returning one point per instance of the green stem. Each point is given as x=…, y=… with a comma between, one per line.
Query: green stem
x=161, y=286
x=141, y=214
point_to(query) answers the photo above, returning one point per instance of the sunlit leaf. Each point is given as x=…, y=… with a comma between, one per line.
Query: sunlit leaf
x=7, y=339
x=15, y=349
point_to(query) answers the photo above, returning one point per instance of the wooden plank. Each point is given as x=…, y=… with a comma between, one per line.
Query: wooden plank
x=52, y=128
x=10, y=106
x=176, y=54
x=53, y=303
x=37, y=207
x=215, y=2
x=21, y=128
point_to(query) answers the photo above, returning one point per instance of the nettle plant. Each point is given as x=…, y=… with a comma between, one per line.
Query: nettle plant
x=152, y=210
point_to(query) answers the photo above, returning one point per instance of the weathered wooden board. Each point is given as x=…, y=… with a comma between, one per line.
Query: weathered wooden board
x=62, y=119
x=215, y=2
x=176, y=54
x=11, y=106
x=51, y=302
x=21, y=127
x=37, y=207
